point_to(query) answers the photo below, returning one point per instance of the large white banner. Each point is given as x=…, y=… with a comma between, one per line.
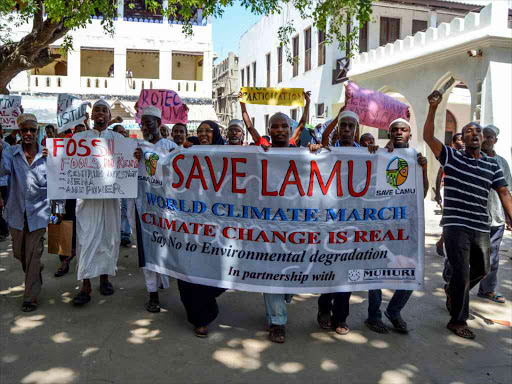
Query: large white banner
x=92, y=168
x=283, y=221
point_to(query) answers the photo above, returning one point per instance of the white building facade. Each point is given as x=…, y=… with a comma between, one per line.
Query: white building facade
x=147, y=51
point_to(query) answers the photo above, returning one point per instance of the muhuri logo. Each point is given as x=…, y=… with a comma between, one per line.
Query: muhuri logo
x=397, y=171
x=151, y=160
x=382, y=274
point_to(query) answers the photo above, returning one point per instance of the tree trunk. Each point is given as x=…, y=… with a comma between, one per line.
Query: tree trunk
x=30, y=52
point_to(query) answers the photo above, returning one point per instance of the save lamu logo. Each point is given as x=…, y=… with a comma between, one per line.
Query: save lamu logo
x=397, y=171
x=151, y=160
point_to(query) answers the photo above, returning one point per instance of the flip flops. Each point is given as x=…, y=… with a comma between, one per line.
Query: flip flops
x=461, y=331
x=493, y=296
x=376, y=326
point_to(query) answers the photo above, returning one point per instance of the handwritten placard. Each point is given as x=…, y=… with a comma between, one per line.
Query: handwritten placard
x=292, y=97
x=9, y=111
x=71, y=111
x=92, y=168
x=374, y=108
x=169, y=102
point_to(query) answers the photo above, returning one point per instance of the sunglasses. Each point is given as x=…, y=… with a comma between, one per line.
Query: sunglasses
x=25, y=130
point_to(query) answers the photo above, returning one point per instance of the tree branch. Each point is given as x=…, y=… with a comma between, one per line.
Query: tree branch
x=38, y=16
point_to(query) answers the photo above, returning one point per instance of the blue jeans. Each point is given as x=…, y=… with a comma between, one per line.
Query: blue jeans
x=275, y=304
x=490, y=282
x=395, y=306
x=125, y=223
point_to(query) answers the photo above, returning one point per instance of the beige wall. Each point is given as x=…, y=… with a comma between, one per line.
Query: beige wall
x=144, y=65
x=188, y=68
x=95, y=63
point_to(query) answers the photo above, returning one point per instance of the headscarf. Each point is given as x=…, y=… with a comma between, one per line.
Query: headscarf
x=217, y=137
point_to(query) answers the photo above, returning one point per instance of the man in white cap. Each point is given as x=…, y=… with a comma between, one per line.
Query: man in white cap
x=28, y=208
x=96, y=219
x=151, y=120
x=235, y=135
x=399, y=134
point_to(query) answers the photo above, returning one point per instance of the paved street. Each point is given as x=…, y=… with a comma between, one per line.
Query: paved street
x=115, y=340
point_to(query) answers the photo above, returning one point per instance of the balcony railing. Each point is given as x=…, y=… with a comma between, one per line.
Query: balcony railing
x=111, y=85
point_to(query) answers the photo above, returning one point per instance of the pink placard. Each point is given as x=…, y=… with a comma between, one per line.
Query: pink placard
x=173, y=109
x=374, y=108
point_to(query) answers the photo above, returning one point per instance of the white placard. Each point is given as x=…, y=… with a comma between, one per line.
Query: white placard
x=9, y=111
x=70, y=112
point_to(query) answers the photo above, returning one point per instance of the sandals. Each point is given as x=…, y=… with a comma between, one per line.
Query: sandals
x=376, y=326
x=277, y=333
x=493, y=296
x=106, y=289
x=324, y=320
x=153, y=306
x=82, y=298
x=342, y=328
x=461, y=331
x=28, y=306
x=399, y=324
x=201, y=332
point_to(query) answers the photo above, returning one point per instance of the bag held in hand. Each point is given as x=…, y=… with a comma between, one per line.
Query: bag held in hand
x=60, y=238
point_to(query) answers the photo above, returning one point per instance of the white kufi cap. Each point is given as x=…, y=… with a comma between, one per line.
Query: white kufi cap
x=151, y=111
x=493, y=128
x=349, y=115
x=400, y=120
x=101, y=102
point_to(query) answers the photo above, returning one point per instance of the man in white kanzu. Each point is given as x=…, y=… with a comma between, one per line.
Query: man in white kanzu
x=151, y=122
x=96, y=221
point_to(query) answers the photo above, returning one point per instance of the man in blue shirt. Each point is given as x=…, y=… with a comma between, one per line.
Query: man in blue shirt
x=28, y=208
x=4, y=191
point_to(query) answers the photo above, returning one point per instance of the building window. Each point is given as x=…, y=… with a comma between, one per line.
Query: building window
x=320, y=109
x=267, y=120
x=268, y=69
x=294, y=114
x=248, y=72
x=295, y=56
x=321, y=47
x=307, y=50
x=243, y=79
x=389, y=30
x=254, y=74
x=279, y=64
x=419, y=26
x=363, y=38
x=383, y=134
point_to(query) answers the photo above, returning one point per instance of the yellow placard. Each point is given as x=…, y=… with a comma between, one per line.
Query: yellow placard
x=291, y=97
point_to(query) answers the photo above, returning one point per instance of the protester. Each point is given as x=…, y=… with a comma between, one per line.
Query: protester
x=179, y=133
x=470, y=175
x=120, y=129
x=235, y=134
x=80, y=128
x=164, y=131
x=200, y=300
x=399, y=134
x=98, y=242
x=457, y=144
x=4, y=191
x=11, y=139
x=366, y=140
x=150, y=124
x=28, y=208
x=263, y=140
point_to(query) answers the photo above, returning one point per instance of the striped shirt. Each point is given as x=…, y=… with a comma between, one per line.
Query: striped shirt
x=467, y=183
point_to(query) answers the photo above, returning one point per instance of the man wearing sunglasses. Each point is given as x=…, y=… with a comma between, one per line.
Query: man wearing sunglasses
x=28, y=207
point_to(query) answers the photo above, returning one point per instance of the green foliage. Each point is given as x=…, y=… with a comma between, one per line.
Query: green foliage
x=332, y=16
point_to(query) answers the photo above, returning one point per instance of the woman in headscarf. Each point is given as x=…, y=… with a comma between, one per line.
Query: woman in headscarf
x=200, y=300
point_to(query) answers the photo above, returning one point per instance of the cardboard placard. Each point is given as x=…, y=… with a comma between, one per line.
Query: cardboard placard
x=291, y=97
x=169, y=102
x=60, y=238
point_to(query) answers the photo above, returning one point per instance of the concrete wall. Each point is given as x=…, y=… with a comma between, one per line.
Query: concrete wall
x=185, y=67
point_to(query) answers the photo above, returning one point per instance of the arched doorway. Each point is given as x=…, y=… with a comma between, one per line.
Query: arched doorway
x=450, y=128
x=61, y=69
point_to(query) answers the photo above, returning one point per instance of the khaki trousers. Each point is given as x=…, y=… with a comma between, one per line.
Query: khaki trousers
x=28, y=248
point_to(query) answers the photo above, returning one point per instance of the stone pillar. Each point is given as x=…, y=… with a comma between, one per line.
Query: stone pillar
x=432, y=18
x=165, y=66
x=497, y=98
x=120, y=70
x=120, y=9
x=207, y=74
x=165, y=5
x=74, y=68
